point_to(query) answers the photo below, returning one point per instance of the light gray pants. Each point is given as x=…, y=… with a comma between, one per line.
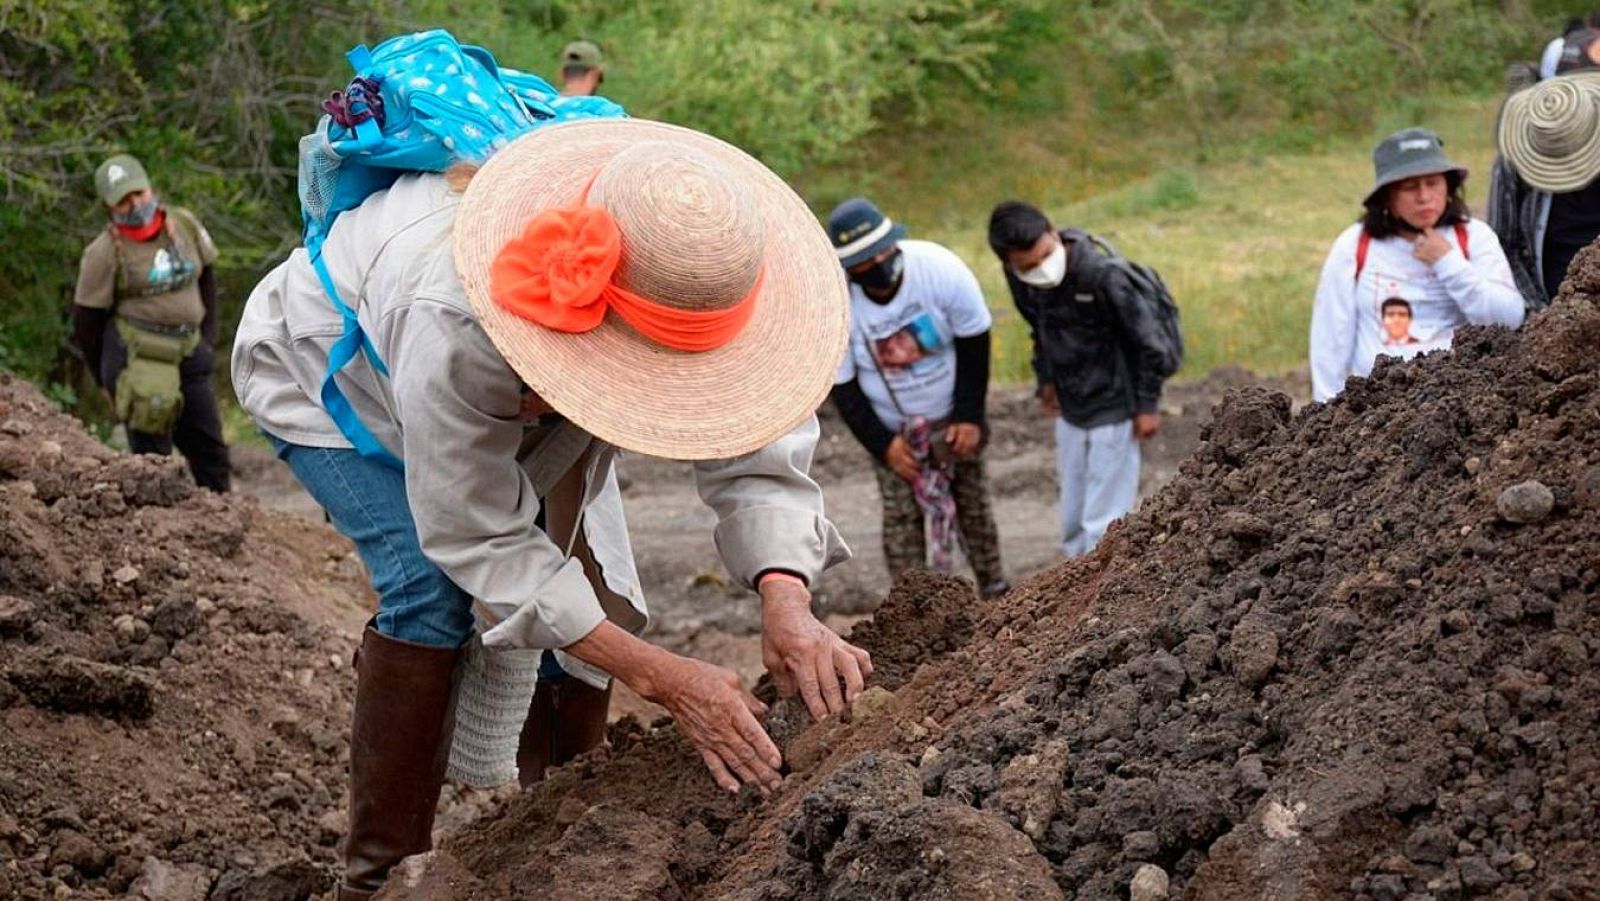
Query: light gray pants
x=1099, y=472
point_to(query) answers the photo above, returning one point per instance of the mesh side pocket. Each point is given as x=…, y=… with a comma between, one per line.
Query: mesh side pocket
x=319, y=173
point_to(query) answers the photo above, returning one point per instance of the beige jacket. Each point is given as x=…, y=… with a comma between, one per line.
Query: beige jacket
x=475, y=472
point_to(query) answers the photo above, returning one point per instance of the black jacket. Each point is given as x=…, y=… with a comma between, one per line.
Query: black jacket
x=1516, y=213
x=1094, y=339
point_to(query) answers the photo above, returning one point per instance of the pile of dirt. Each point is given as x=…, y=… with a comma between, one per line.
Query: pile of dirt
x=174, y=699
x=1348, y=653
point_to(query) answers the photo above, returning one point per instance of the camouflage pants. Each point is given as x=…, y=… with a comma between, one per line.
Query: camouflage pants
x=904, y=544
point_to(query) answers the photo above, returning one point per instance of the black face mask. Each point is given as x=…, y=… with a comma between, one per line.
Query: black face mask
x=882, y=282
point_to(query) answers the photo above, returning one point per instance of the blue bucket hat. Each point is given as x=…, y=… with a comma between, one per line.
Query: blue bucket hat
x=860, y=231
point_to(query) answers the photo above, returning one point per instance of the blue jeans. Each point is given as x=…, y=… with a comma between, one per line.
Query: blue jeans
x=366, y=502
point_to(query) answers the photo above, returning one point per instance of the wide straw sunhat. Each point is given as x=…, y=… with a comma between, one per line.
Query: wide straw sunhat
x=1550, y=132
x=703, y=226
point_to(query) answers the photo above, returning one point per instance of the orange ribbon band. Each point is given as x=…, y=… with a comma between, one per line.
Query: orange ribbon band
x=559, y=274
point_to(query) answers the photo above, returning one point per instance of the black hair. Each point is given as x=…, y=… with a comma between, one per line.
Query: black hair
x=1015, y=225
x=574, y=70
x=1395, y=302
x=1380, y=223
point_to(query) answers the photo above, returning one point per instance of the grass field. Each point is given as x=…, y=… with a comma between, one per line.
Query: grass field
x=1240, y=239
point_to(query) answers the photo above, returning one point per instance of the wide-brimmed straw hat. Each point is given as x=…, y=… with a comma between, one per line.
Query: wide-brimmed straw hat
x=1550, y=132
x=705, y=229
x=1408, y=153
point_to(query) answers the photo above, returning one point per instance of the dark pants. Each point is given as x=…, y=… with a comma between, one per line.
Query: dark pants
x=198, y=433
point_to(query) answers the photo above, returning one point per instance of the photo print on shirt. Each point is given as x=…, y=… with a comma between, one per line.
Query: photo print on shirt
x=908, y=345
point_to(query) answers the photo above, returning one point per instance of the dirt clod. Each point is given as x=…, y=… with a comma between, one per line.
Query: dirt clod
x=71, y=684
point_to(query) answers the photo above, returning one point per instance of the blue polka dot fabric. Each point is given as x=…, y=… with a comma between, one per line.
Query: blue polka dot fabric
x=440, y=102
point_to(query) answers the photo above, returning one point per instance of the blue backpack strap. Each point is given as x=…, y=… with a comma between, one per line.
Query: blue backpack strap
x=351, y=341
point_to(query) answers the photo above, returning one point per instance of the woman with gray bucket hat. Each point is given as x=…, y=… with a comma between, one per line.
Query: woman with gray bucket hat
x=1415, y=241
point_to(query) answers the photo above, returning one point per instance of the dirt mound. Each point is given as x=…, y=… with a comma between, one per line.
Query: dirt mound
x=1336, y=657
x=174, y=700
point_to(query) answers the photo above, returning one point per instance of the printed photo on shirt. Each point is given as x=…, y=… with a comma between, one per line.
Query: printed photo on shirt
x=906, y=347
x=1396, y=314
x=1396, y=303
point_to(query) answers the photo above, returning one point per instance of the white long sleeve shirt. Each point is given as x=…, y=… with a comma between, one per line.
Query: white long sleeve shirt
x=1348, y=329
x=450, y=409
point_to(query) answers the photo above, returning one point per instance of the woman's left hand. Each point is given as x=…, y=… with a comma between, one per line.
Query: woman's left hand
x=805, y=656
x=1430, y=247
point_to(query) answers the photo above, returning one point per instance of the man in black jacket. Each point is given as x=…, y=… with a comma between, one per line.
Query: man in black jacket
x=911, y=388
x=1098, y=357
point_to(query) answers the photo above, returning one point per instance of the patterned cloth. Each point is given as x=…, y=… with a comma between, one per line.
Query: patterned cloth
x=934, y=495
x=904, y=544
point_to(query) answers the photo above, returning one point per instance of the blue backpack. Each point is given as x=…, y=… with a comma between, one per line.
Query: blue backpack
x=419, y=103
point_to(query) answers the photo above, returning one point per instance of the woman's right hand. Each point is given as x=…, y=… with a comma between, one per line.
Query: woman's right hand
x=718, y=716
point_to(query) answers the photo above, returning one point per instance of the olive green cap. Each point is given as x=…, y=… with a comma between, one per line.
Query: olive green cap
x=582, y=53
x=118, y=177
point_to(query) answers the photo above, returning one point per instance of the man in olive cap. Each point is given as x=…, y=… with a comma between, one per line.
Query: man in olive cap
x=582, y=69
x=145, y=320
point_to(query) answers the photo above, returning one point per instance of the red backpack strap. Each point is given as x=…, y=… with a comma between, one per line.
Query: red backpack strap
x=1462, y=240
x=1361, y=252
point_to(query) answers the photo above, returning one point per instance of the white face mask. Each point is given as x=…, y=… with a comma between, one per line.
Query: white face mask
x=1049, y=273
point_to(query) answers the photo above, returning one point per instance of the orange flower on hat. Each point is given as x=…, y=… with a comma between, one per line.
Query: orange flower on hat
x=557, y=271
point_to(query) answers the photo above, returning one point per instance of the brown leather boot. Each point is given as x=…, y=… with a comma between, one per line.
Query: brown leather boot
x=399, y=745
x=566, y=718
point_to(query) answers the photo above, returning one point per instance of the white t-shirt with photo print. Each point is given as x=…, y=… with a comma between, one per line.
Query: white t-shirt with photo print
x=1348, y=328
x=909, y=341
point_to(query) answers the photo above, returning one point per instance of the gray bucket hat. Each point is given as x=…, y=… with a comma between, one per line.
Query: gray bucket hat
x=1408, y=153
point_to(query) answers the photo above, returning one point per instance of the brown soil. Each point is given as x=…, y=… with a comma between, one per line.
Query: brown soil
x=174, y=677
x=1335, y=657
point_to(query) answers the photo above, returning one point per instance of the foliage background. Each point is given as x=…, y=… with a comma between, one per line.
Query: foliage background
x=938, y=108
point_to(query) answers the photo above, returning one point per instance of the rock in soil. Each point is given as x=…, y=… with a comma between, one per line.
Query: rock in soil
x=1526, y=502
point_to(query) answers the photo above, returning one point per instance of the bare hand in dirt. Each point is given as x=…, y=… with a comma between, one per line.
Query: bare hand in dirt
x=1145, y=425
x=708, y=703
x=718, y=716
x=963, y=438
x=1430, y=247
x=901, y=459
x=1048, y=400
x=805, y=656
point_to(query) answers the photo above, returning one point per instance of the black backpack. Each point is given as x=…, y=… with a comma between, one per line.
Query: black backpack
x=1153, y=292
